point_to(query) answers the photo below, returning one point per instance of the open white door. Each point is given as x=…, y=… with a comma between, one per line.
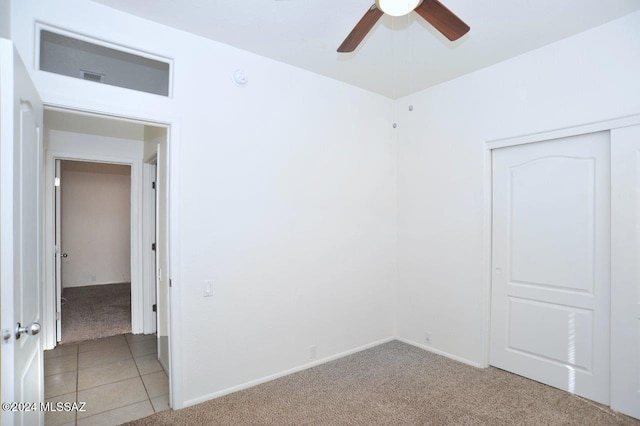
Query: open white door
x=551, y=274
x=161, y=273
x=58, y=252
x=625, y=270
x=20, y=238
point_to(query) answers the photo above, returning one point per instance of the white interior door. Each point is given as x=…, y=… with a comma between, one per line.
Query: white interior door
x=551, y=264
x=625, y=270
x=161, y=273
x=154, y=203
x=58, y=250
x=20, y=237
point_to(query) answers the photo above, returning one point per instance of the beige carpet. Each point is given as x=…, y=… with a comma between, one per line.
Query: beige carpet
x=96, y=311
x=395, y=384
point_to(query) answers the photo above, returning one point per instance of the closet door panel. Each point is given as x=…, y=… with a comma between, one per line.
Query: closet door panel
x=551, y=251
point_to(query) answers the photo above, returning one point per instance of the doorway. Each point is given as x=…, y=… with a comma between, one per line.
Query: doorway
x=92, y=147
x=28, y=258
x=93, y=234
x=564, y=282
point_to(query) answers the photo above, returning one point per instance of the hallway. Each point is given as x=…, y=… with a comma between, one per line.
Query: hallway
x=119, y=378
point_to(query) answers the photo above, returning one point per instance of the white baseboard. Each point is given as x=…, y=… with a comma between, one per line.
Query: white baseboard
x=439, y=352
x=163, y=351
x=271, y=377
x=284, y=373
x=163, y=364
x=95, y=283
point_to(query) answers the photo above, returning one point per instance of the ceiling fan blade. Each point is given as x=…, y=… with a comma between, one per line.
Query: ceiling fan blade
x=359, y=32
x=442, y=19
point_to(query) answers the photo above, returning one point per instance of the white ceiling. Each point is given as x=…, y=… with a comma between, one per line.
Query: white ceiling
x=89, y=124
x=400, y=55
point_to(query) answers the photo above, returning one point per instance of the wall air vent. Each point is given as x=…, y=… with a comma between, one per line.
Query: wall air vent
x=92, y=76
x=76, y=56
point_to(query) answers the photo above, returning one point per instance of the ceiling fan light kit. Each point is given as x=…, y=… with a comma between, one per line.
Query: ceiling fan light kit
x=431, y=11
x=397, y=7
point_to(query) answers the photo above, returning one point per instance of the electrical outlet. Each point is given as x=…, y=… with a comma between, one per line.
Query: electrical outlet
x=427, y=337
x=313, y=352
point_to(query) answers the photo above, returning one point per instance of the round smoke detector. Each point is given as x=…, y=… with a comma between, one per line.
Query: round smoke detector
x=240, y=77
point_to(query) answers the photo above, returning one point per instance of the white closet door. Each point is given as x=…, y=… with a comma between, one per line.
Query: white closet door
x=551, y=264
x=625, y=270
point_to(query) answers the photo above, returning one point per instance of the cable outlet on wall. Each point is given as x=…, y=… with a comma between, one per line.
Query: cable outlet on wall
x=427, y=337
x=313, y=352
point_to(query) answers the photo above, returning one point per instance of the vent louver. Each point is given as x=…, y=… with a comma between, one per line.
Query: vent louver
x=92, y=76
x=83, y=59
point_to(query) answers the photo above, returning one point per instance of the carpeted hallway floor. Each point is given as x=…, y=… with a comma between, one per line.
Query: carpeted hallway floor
x=96, y=311
x=395, y=384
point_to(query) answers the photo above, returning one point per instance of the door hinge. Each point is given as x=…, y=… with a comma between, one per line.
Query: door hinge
x=153, y=185
x=155, y=308
x=153, y=246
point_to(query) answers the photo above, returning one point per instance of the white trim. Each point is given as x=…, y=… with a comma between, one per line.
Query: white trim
x=176, y=392
x=164, y=366
x=107, y=116
x=136, y=236
x=306, y=366
x=50, y=306
x=7, y=273
x=172, y=125
x=148, y=260
x=486, y=258
x=606, y=125
x=102, y=282
x=440, y=352
x=286, y=372
x=564, y=132
x=39, y=25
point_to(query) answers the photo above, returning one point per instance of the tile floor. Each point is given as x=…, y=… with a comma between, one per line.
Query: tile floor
x=118, y=377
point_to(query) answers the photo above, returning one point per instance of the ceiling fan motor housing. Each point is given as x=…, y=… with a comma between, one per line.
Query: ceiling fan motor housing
x=397, y=7
x=431, y=11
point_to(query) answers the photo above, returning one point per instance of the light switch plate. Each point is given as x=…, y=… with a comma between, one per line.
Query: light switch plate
x=207, y=288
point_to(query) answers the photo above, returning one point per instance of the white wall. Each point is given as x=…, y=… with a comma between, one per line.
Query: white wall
x=590, y=77
x=283, y=193
x=96, y=223
x=5, y=18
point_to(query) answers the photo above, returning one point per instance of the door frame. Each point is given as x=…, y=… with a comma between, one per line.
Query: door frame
x=489, y=146
x=140, y=312
x=172, y=125
x=149, y=237
x=50, y=299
